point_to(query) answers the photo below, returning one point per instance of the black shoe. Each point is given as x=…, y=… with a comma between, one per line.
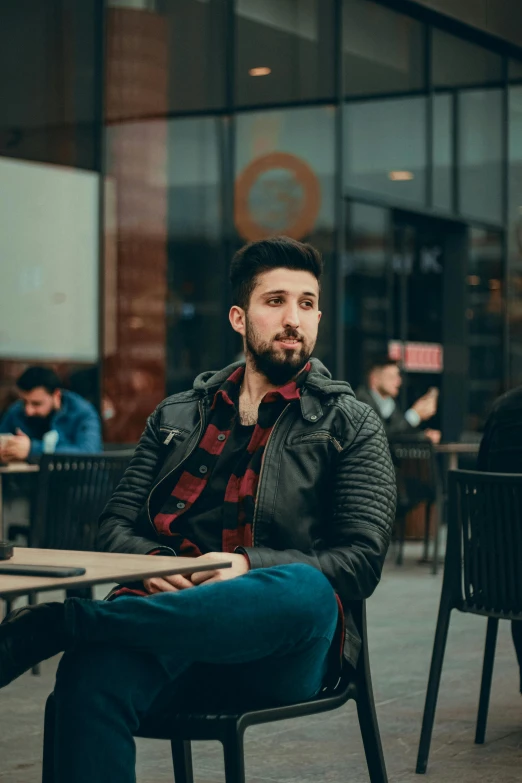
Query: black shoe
x=30, y=635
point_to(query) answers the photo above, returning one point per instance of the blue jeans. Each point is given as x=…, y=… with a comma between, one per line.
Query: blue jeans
x=262, y=638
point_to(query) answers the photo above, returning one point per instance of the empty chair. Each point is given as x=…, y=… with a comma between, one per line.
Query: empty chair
x=417, y=482
x=482, y=576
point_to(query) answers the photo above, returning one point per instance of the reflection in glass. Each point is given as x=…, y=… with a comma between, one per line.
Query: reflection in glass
x=367, y=288
x=480, y=154
x=442, y=151
x=456, y=62
x=383, y=51
x=196, y=321
x=385, y=148
x=49, y=82
x=485, y=324
x=285, y=167
x=197, y=52
x=515, y=235
x=284, y=51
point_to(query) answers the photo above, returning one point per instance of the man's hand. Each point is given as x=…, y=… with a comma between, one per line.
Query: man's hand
x=433, y=435
x=167, y=584
x=240, y=566
x=17, y=448
x=426, y=407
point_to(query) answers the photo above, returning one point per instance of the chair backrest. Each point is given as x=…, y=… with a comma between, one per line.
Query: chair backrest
x=417, y=471
x=484, y=550
x=73, y=490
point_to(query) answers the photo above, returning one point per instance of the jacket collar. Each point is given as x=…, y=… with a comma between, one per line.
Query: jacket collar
x=318, y=386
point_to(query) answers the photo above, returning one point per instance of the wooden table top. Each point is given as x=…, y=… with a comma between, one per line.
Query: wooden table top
x=457, y=448
x=100, y=567
x=19, y=467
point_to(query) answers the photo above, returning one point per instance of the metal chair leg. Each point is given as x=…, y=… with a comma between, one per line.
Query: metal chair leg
x=370, y=731
x=48, y=742
x=234, y=757
x=401, y=525
x=182, y=761
x=32, y=601
x=427, y=522
x=437, y=659
x=487, y=674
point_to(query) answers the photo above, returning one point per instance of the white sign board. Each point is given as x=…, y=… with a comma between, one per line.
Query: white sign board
x=48, y=262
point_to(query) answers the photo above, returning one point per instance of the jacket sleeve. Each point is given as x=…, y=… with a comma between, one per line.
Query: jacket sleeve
x=117, y=528
x=363, y=513
x=87, y=436
x=398, y=426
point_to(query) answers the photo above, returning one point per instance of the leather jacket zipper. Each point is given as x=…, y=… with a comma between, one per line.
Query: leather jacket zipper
x=196, y=442
x=261, y=471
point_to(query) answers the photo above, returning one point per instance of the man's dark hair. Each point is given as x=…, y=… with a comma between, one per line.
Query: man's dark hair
x=34, y=377
x=378, y=362
x=258, y=257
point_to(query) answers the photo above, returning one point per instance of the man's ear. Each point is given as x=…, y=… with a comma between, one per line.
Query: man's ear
x=57, y=399
x=237, y=320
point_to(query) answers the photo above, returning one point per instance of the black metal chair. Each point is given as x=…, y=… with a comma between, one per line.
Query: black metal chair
x=71, y=493
x=229, y=727
x=482, y=575
x=417, y=482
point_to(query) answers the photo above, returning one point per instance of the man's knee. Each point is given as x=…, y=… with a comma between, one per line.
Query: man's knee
x=307, y=596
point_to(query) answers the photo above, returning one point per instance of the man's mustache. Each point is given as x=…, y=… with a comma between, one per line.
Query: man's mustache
x=292, y=334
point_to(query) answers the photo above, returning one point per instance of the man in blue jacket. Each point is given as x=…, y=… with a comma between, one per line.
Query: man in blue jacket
x=47, y=419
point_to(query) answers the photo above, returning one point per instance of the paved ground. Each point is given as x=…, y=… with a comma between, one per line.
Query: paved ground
x=328, y=748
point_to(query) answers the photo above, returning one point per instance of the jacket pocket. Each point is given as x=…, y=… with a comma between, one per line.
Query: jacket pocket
x=317, y=437
x=168, y=434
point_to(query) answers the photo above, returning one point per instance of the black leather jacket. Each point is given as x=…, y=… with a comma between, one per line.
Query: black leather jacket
x=326, y=493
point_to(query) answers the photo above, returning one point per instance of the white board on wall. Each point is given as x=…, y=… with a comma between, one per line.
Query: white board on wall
x=48, y=262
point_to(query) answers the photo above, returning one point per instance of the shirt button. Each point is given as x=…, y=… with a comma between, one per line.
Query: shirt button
x=203, y=469
x=180, y=505
x=314, y=417
x=222, y=437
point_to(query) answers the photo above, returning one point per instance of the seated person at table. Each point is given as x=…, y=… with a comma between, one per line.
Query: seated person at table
x=47, y=419
x=501, y=452
x=271, y=461
x=383, y=385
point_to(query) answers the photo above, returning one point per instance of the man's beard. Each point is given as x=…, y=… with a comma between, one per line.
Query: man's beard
x=278, y=367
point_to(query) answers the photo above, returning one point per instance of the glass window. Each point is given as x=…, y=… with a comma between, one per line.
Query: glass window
x=368, y=288
x=485, y=324
x=515, y=235
x=480, y=154
x=442, y=151
x=385, y=148
x=284, y=51
x=515, y=70
x=197, y=270
x=383, y=51
x=197, y=53
x=285, y=170
x=456, y=62
x=48, y=82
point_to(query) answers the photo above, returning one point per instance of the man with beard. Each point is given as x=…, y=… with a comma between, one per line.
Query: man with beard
x=271, y=462
x=47, y=419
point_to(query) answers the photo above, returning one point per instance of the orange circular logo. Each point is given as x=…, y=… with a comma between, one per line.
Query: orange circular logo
x=276, y=194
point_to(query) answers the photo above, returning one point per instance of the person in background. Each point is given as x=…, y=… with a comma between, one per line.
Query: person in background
x=383, y=385
x=47, y=419
x=501, y=452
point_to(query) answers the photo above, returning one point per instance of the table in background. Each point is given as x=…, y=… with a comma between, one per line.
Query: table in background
x=100, y=568
x=8, y=470
x=450, y=460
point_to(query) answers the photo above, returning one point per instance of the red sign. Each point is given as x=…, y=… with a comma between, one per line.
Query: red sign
x=417, y=357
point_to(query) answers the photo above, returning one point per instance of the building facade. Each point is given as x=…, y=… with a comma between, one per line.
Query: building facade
x=143, y=141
